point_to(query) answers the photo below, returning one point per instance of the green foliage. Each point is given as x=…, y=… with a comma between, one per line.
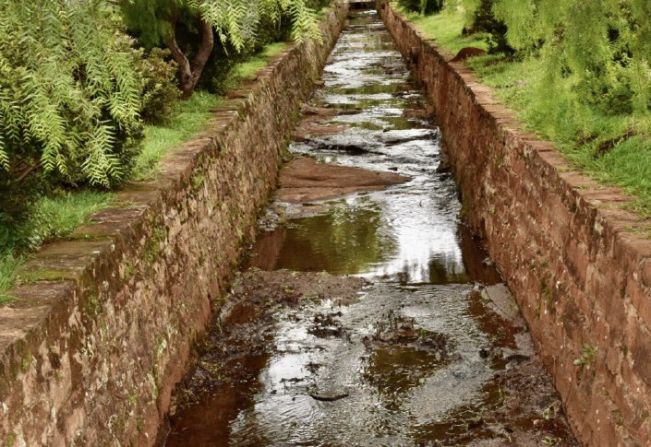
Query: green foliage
x=160, y=94
x=318, y=5
x=8, y=267
x=602, y=47
x=577, y=128
x=446, y=28
x=249, y=67
x=422, y=6
x=187, y=28
x=69, y=95
x=236, y=22
x=480, y=19
x=50, y=218
x=192, y=116
x=53, y=217
x=614, y=148
x=587, y=357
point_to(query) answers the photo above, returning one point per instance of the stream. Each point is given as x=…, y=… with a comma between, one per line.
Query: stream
x=375, y=319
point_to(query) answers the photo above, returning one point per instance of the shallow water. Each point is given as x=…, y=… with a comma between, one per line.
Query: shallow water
x=430, y=351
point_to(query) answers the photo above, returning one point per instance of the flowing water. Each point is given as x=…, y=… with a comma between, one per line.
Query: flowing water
x=430, y=351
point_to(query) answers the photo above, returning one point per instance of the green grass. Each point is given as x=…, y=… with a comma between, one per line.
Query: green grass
x=52, y=217
x=8, y=266
x=445, y=28
x=59, y=214
x=577, y=129
x=246, y=70
x=193, y=116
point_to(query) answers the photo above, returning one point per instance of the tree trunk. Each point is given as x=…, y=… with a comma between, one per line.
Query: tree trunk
x=190, y=73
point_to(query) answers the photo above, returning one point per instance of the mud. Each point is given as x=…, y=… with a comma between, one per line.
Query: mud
x=410, y=338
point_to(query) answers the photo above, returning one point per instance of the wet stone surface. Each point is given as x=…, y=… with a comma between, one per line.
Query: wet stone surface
x=374, y=319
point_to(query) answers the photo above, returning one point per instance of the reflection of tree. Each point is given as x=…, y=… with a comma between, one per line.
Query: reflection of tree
x=346, y=240
x=396, y=369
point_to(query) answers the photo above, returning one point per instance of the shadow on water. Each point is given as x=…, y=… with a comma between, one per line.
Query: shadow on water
x=430, y=351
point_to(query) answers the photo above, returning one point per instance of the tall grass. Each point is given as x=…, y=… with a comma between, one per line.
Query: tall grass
x=51, y=217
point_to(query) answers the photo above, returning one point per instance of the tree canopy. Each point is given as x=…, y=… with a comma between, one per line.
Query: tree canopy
x=76, y=84
x=602, y=46
x=235, y=22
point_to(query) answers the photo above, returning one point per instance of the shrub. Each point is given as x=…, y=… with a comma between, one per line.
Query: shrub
x=483, y=20
x=160, y=93
x=602, y=48
x=422, y=6
x=233, y=23
x=70, y=96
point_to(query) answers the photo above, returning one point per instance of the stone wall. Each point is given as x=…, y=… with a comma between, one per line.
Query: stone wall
x=104, y=321
x=576, y=260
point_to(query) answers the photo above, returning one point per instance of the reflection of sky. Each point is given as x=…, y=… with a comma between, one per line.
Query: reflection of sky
x=422, y=237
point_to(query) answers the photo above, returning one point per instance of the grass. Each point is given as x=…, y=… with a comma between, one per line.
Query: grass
x=192, y=117
x=53, y=217
x=445, y=27
x=248, y=68
x=8, y=266
x=194, y=114
x=59, y=214
x=577, y=129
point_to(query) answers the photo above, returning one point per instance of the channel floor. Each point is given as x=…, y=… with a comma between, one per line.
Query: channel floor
x=375, y=319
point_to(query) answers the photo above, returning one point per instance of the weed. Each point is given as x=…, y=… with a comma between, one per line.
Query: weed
x=92, y=305
x=153, y=246
x=133, y=399
x=129, y=271
x=197, y=181
x=587, y=357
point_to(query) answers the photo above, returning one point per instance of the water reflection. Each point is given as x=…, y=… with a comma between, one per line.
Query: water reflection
x=347, y=239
